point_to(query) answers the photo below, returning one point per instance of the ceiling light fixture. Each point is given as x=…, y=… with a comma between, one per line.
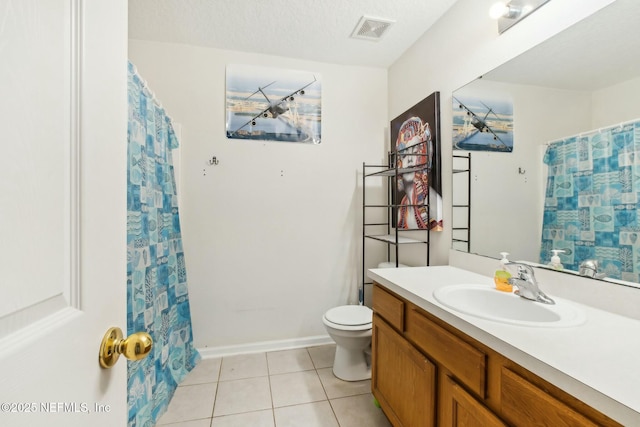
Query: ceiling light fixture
x=504, y=10
x=510, y=12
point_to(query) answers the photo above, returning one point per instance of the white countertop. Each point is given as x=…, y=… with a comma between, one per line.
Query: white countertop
x=598, y=362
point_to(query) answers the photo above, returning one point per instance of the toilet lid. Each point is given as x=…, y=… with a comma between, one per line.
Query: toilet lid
x=350, y=315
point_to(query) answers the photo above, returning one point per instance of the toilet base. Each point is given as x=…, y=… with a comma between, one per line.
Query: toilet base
x=351, y=364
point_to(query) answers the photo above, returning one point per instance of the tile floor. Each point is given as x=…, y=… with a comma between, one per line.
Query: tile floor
x=290, y=388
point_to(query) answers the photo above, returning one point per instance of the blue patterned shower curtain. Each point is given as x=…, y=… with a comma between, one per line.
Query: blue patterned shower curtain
x=157, y=297
x=592, y=200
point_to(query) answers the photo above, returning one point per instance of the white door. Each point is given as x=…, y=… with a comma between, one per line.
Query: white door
x=63, y=116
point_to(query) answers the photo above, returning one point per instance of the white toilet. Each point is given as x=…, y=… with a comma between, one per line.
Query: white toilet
x=350, y=327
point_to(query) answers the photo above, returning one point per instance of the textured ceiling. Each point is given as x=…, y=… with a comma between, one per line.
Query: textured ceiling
x=317, y=30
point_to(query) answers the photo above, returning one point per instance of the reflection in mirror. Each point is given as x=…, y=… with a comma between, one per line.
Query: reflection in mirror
x=583, y=79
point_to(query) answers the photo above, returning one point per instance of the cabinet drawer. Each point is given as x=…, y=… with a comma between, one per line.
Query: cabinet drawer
x=389, y=307
x=522, y=402
x=465, y=362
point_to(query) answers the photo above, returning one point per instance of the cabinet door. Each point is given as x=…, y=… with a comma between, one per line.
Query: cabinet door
x=402, y=379
x=458, y=408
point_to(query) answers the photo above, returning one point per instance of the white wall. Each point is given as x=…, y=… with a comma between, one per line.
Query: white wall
x=463, y=45
x=272, y=234
x=616, y=104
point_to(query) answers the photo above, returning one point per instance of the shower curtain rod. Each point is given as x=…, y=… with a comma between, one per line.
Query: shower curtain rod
x=599, y=130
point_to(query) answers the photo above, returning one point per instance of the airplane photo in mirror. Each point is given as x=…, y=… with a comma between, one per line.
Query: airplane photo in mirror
x=482, y=125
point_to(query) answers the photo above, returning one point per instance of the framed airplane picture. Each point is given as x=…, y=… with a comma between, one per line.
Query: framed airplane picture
x=271, y=104
x=482, y=124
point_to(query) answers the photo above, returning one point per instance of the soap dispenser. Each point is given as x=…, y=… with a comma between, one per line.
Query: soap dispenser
x=502, y=275
x=556, y=263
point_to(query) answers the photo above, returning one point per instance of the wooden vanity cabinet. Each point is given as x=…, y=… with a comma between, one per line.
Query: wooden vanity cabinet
x=403, y=380
x=408, y=390
x=425, y=372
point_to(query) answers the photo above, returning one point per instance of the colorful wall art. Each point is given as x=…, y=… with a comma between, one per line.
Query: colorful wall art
x=415, y=139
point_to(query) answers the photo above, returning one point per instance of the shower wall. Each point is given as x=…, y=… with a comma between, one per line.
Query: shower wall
x=272, y=233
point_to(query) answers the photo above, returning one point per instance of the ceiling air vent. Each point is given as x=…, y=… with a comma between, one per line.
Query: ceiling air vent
x=371, y=28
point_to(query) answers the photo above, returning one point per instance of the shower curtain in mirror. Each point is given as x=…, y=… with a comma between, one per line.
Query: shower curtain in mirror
x=157, y=296
x=592, y=201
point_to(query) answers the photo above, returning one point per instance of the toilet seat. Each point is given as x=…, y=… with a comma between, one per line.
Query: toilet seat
x=350, y=317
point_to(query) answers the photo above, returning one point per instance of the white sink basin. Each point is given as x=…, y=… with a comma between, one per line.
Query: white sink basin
x=488, y=303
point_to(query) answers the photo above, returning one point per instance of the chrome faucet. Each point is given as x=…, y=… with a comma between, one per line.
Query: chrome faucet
x=589, y=268
x=527, y=284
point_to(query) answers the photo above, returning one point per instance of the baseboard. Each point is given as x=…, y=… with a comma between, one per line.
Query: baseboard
x=264, y=346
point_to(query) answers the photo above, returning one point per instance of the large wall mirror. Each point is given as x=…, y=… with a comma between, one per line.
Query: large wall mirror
x=583, y=79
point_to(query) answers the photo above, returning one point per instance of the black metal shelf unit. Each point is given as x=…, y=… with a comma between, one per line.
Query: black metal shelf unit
x=394, y=237
x=461, y=233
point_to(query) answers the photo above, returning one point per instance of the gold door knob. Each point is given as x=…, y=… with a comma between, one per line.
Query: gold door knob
x=135, y=347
